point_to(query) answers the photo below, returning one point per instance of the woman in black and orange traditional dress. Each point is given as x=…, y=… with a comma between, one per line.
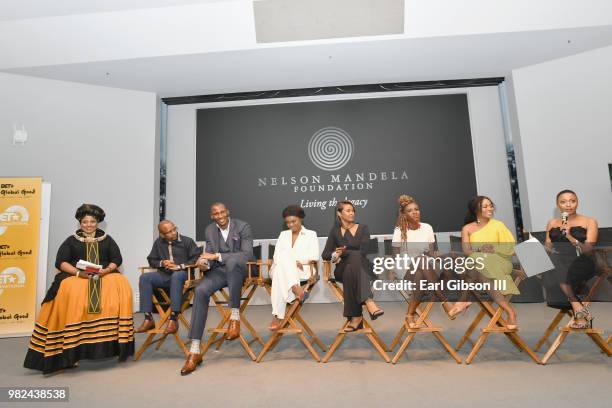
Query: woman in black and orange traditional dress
x=84, y=315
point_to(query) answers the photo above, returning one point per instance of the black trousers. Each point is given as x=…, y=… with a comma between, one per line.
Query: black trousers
x=355, y=273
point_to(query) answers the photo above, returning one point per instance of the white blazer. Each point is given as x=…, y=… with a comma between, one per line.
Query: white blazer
x=305, y=249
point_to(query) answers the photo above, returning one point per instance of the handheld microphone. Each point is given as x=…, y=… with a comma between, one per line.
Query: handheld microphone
x=564, y=216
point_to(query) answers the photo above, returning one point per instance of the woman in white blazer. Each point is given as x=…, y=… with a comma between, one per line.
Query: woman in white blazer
x=295, y=248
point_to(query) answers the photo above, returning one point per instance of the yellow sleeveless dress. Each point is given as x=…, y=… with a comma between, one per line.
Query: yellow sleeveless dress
x=497, y=265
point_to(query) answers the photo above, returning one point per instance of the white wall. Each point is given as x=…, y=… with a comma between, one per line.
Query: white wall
x=562, y=115
x=94, y=145
x=487, y=130
x=229, y=25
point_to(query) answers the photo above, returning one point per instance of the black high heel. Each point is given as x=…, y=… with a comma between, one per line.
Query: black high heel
x=350, y=329
x=376, y=314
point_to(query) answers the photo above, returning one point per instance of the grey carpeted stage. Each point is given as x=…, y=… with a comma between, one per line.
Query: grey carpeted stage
x=356, y=376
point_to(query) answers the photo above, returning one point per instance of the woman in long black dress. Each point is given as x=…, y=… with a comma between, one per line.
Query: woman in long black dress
x=570, y=239
x=347, y=246
x=85, y=315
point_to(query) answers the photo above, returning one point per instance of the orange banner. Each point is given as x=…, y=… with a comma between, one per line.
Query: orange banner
x=20, y=200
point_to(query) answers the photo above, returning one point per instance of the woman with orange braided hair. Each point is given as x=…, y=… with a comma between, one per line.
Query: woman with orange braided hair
x=416, y=238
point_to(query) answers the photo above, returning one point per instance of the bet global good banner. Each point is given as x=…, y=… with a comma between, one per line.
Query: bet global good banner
x=19, y=237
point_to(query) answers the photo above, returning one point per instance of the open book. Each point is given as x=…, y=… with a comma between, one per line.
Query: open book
x=88, y=266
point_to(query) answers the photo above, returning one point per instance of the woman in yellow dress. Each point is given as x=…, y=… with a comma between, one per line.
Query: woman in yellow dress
x=85, y=314
x=486, y=239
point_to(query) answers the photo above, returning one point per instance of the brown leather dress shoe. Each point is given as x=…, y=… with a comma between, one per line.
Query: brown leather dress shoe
x=171, y=327
x=234, y=330
x=145, y=326
x=193, y=361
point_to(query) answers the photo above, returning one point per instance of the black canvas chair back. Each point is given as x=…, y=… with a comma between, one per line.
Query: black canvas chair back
x=388, y=243
x=271, y=249
x=255, y=269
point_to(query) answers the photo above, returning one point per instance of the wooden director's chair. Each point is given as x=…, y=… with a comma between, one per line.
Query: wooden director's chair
x=372, y=336
x=161, y=302
x=496, y=324
x=593, y=333
x=221, y=302
x=427, y=327
x=294, y=323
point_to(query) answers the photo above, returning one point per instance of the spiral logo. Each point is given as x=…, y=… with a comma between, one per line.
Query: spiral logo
x=330, y=148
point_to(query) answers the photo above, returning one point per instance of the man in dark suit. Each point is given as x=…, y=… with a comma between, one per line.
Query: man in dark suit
x=229, y=245
x=171, y=252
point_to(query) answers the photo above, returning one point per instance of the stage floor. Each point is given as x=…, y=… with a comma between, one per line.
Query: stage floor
x=355, y=376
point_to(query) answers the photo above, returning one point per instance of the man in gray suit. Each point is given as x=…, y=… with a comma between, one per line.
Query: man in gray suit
x=229, y=245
